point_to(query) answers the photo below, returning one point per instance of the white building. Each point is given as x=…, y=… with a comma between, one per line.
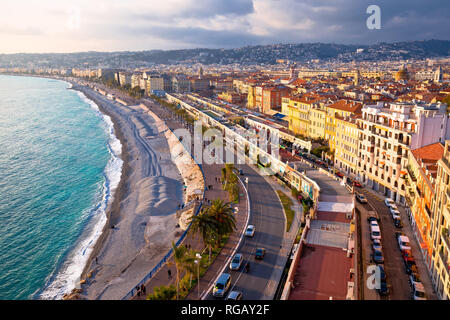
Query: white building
x=387, y=133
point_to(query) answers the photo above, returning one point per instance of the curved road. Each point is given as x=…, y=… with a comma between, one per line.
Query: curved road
x=268, y=218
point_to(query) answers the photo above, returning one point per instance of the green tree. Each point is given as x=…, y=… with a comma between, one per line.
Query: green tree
x=163, y=293
x=178, y=257
x=204, y=225
x=223, y=213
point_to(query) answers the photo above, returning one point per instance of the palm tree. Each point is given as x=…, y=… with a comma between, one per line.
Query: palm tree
x=189, y=264
x=205, y=226
x=178, y=257
x=223, y=213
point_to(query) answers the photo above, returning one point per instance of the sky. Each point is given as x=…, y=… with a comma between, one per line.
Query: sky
x=37, y=26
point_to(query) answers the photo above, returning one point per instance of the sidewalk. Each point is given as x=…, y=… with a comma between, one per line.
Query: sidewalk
x=216, y=192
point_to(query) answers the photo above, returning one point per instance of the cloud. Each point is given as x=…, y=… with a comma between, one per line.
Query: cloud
x=110, y=25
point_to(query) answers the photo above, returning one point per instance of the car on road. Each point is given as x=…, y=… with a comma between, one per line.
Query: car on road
x=222, y=285
x=375, y=233
x=376, y=245
x=373, y=215
x=235, y=295
x=398, y=223
x=241, y=172
x=383, y=290
x=361, y=198
x=236, y=263
x=357, y=184
x=395, y=214
x=393, y=207
x=403, y=243
x=389, y=202
x=260, y=253
x=418, y=292
x=378, y=256
x=414, y=279
x=410, y=266
x=374, y=223
x=340, y=175
x=250, y=231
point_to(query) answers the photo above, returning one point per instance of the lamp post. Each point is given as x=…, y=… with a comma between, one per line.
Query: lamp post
x=198, y=256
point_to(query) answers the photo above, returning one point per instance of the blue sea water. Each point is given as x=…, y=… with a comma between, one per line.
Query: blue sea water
x=59, y=166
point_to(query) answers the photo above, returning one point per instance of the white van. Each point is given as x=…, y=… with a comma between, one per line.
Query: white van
x=418, y=291
x=222, y=285
x=375, y=232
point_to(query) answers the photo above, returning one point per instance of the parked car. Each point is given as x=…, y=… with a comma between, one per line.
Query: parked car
x=418, y=292
x=414, y=279
x=383, y=290
x=376, y=245
x=250, y=231
x=407, y=255
x=395, y=214
x=357, y=184
x=378, y=256
x=235, y=295
x=375, y=233
x=236, y=263
x=374, y=223
x=260, y=253
x=398, y=223
x=393, y=207
x=389, y=202
x=410, y=266
x=371, y=215
x=361, y=198
x=340, y=175
x=403, y=243
x=241, y=172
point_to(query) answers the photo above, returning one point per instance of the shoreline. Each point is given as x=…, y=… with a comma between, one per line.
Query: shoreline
x=113, y=209
x=143, y=197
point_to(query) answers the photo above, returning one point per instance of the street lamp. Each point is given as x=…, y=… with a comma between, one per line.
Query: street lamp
x=197, y=262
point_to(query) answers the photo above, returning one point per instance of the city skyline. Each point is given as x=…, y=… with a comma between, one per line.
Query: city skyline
x=78, y=26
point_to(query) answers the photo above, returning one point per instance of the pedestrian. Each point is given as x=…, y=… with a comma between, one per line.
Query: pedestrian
x=143, y=288
x=96, y=260
x=169, y=273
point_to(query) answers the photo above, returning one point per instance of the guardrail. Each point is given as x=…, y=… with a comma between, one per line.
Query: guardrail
x=163, y=261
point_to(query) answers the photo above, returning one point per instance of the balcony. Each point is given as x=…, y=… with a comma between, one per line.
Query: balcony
x=445, y=260
x=411, y=174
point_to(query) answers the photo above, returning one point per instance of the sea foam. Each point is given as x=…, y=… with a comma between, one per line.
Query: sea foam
x=67, y=276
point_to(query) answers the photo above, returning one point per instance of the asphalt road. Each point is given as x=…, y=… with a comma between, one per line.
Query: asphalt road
x=395, y=269
x=268, y=218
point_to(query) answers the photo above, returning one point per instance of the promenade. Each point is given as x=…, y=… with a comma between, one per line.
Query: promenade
x=214, y=191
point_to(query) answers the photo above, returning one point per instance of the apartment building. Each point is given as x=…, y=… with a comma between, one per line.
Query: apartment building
x=346, y=146
x=420, y=185
x=387, y=133
x=154, y=84
x=317, y=117
x=342, y=108
x=440, y=264
x=299, y=113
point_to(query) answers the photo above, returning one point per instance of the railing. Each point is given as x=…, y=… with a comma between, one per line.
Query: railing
x=163, y=261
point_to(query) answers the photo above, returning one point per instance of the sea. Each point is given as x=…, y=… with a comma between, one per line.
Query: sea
x=59, y=167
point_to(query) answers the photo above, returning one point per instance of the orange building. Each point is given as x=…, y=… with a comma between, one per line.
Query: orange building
x=422, y=171
x=271, y=97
